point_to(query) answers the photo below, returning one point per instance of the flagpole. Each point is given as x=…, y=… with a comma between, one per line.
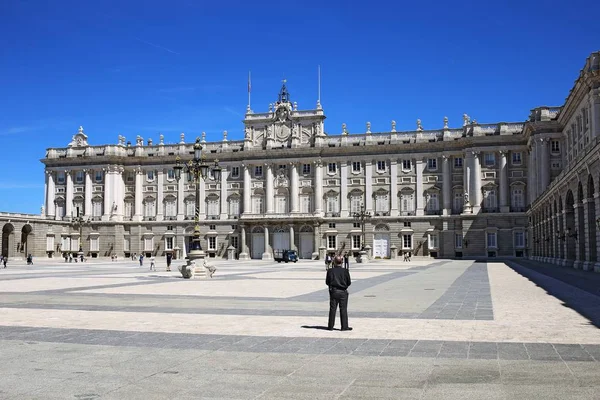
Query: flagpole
x=318, y=87
x=249, y=89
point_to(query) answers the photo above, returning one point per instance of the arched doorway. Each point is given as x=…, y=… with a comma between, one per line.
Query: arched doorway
x=258, y=242
x=25, y=237
x=7, y=239
x=306, y=242
x=560, y=230
x=381, y=241
x=281, y=239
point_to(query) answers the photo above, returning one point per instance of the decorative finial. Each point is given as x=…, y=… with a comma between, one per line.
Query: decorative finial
x=203, y=137
x=150, y=142
x=466, y=120
x=139, y=141
x=161, y=139
x=344, y=131
x=474, y=122
x=393, y=126
x=419, y=126
x=319, y=107
x=80, y=129
x=182, y=138
x=295, y=106
x=224, y=136
x=248, y=110
x=270, y=107
x=368, y=127
x=445, y=122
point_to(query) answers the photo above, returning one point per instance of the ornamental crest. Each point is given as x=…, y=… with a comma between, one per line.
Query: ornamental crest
x=79, y=139
x=281, y=180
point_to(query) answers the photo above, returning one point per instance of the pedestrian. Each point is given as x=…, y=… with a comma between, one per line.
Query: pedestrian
x=409, y=256
x=133, y=256
x=4, y=261
x=346, y=261
x=338, y=280
x=152, y=265
x=81, y=257
x=141, y=260
x=29, y=259
x=327, y=261
x=169, y=258
x=405, y=256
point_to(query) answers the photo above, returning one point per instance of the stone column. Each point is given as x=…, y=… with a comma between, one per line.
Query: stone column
x=223, y=195
x=244, y=254
x=267, y=254
x=50, y=197
x=566, y=242
x=294, y=187
x=447, y=186
x=69, y=196
x=420, y=166
x=181, y=198
x=597, y=202
x=467, y=171
x=544, y=165
x=119, y=193
x=594, y=102
x=369, y=186
x=247, y=183
x=586, y=234
x=476, y=182
x=139, y=193
x=87, y=208
x=269, y=191
x=534, y=176
x=108, y=192
x=292, y=238
x=344, y=189
x=393, y=187
x=160, y=201
x=503, y=170
x=318, y=187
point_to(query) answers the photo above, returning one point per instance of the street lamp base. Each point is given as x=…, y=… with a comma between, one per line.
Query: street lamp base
x=196, y=255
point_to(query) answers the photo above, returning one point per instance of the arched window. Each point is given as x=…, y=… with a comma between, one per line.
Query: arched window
x=97, y=205
x=170, y=207
x=281, y=201
x=149, y=207
x=356, y=201
x=382, y=202
x=306, y=201
x=333, y=204
x=407, y=202
x=212, y=205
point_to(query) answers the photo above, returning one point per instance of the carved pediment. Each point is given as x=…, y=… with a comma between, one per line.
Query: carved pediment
x=79, y=139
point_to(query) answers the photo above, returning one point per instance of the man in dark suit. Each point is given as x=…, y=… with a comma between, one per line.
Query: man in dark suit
x=338, y=280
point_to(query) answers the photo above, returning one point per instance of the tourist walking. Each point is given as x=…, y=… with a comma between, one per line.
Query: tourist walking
x=169, y=259
x=4, y=261
x=327, y=261
x=141, y=260
x=29, y=259
x=152, y=264
x=346, y=261
x=338, y=280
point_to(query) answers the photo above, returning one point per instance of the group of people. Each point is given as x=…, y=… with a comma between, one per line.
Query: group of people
x=329, y=260
x=169, y=258
x=69, y=257
x=407, y=256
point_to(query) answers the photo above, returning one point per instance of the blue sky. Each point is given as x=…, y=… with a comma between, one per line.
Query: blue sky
x=150, y=67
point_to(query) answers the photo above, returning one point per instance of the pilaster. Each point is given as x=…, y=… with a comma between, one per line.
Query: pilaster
x=51, y=196
x=87, y=208
x=393, y=187
x=267, y=254
x=369, y=186
x=160, y=201
x=420, y=167
x=269, y=191
x=69, y=195
x=344, y=189
x=294, y=187
x=139, y=193
x=247, y=182
x=223, y=194
x=318, y=187
x=503, y=171
x=446, y=186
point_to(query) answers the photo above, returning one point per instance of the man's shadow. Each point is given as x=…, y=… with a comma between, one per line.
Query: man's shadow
x=322, y=328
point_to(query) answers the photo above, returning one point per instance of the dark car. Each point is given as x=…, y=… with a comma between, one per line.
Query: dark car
x=286, y=256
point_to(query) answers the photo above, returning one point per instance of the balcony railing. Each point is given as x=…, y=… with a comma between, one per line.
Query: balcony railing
x=332, y=214
x=489, y=209
x=517, y=209
x=149, y=218
x=213, y=217
x=433, y=212
x=406, y=213
x=382, y=213
x=457, y=210
x=171, y=218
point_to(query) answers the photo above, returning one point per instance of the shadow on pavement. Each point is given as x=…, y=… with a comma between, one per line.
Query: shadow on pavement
x=578, y=290
x=322, y=328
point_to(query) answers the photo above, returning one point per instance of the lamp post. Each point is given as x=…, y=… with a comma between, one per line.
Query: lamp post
x=78, y=222
x=195, y=169
x=361, y=217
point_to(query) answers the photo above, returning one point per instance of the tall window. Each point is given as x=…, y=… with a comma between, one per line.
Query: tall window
x=170, y=174
x=170, y=207
x=149, y=207
x=490, y=159
x=382, y=202
x=433, y=203
x=212, y=206
x=433, y=241
x=407, y=201
x=380, y=166
x=406, y=165
x=519, y=239
x=331, y=242
x=517, y=197
x=126, y=244
x=150, y=175
x=458, y=202
x=98, y=176
x=432, y=164
x=305, y=203
x=60, y=178
x=129, y=208
x=332, y=203
x=458, y=162
x=356, y=201
x=458, y=241
x=331, y=168
x=169, y=243
x=96, y=208
x=516, y=158
x=491, y=239
x=212, y=243
x=258, y=170
x=355, y=166
x=79, y=177
x=407, y=241
x=94, y=244
x=258, y=205
x=305, y=169
x=190, y=208
x=489, y=200
x=281, y=203
x=234, y=206
x=60, y=208
x=356, y=242
x=555, y=146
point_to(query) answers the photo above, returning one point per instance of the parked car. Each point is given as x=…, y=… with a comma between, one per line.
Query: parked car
x=285, y=256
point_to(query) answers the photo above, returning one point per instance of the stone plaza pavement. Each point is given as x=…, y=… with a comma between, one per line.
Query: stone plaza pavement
x=436, y=329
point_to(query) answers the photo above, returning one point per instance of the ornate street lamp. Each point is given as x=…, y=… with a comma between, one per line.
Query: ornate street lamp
x=78, y=222
x=361, y=217
x=195, y=169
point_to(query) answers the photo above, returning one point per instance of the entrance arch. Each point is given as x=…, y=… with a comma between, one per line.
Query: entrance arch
x=381, y=241
x=7, y=239
x=258, y=243
x=570, y=226
x=25, y=238
x=306, y=242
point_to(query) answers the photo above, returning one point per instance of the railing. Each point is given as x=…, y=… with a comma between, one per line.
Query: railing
x=213, y=217
x=407, y=213
x=382, y=213
x=489, y=210
x=332, y=214
x=433, y=212
x=458, y=210
x=517, y=209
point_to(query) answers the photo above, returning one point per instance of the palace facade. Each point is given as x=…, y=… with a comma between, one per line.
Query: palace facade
x=519, y=189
